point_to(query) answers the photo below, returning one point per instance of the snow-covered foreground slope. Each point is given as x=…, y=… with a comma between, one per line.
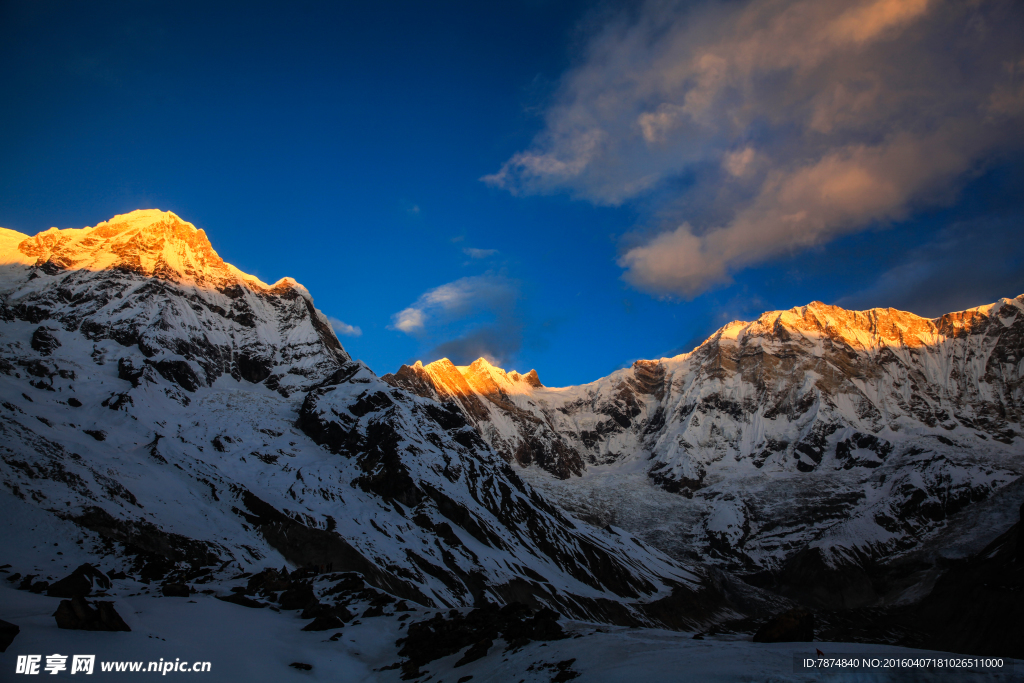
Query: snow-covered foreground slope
x=183, y=411
x=257, y=646
x=814, y=437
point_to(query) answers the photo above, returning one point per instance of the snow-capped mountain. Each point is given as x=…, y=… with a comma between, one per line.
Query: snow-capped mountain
x=808, y=441
x=182, y=410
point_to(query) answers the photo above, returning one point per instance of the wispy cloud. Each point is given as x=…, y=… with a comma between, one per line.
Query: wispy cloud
x=479, y=253
x=753, y=129
x=343, y=328
x=465, y=319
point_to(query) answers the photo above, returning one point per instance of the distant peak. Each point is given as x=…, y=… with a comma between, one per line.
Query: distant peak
x=530, y=378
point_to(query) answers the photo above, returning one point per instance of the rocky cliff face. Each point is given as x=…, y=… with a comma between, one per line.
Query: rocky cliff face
x=810, y=435
x=179, y=410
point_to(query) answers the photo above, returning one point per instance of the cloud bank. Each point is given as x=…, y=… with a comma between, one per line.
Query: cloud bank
x=750, y=130
x=466, y=319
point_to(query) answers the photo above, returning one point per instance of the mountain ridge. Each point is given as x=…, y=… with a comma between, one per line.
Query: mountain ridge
x=876, y=427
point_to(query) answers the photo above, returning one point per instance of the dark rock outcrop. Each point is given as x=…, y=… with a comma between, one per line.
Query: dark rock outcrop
x=78, y=614
x=298, y=596
x=44, y=342
x=323, y=624
x=239, y=599
x=79, y=583
x=8, y=632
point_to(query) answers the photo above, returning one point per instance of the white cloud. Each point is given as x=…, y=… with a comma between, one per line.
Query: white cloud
x=465, y=319
x=479, y=253
x=344, y=329
x=409, y=320
x=786, y=123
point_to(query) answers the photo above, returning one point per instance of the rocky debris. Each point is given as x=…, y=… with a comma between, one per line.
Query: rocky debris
x=792, y=626
x=294, y=591
x=29, y=584
x=175, y=590
x=348, y=582
x=78, y=614
x=79, y=583
x=444, y=635
x=8, y=632
x=268, y=581
x=154, y=568
x=562, y=670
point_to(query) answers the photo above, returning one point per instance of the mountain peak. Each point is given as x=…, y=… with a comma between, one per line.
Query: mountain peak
x=873, y=328
x=487, y=378
x=147, y=242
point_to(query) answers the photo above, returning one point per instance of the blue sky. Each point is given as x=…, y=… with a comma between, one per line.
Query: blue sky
x=566, y=186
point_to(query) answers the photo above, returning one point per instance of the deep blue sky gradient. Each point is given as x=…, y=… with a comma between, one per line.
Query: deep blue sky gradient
x=342, y=144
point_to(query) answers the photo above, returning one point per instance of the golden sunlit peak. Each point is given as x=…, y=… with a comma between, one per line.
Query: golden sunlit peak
x=479, y=377
x=485, y=377
x=147, y=242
